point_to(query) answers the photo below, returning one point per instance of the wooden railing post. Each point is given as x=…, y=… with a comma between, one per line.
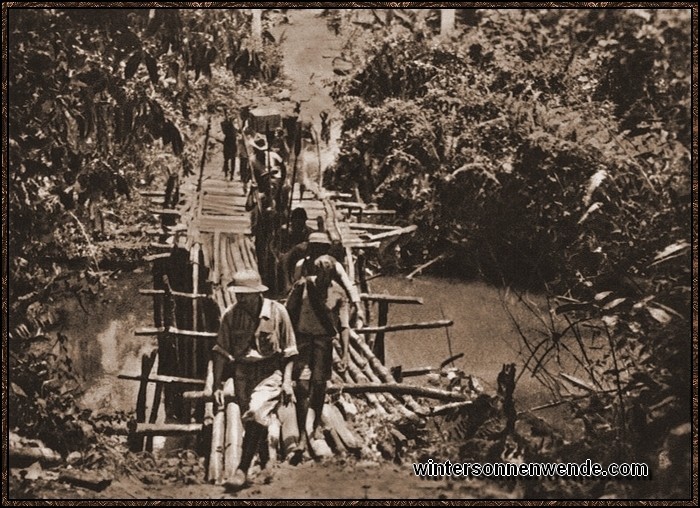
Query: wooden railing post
x=379, y=338
x=147, y=361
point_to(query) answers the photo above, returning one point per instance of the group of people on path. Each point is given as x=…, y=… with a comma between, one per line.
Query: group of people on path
x=283, y=354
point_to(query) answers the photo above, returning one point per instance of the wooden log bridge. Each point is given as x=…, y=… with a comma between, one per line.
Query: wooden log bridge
x=207, y=234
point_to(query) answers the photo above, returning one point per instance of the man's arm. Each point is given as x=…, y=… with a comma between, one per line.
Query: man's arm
x=223, y=340
x=288, y=341
x=288, y=345
x=344, y=322
x=293, y=305
x=349, y=286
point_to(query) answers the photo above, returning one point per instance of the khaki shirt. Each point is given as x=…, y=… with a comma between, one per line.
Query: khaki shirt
x=253, y=338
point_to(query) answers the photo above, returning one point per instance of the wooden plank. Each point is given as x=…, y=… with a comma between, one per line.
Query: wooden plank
x=376, y=297
x=397, y=389
x=157, y=397
x=154, y=257
x=161, y=379
x=166, y=429
x=379, y=338
x=233, y=440
x=425, y=265
x=350, y=204
x=147, y=361
x=174, y=331
x=369, y=211
x=442, y=323
x=151, y=292
x=195, y=304
x=333, y=419
x=235, y=255
x=395, y=232
x=370, y=227
x=359, y=244
x=232, y=230
x=216, y=269
x=223, y=218
x=242, y=251
x=166, y=211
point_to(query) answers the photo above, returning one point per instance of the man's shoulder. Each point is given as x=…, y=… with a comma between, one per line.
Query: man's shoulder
x=229, y=310
x=277, y=307
x=337, y=290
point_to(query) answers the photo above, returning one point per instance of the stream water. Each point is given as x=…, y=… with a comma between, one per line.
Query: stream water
x=102, y=341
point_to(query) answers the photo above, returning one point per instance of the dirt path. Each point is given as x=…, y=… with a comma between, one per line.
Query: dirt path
x=309, y=49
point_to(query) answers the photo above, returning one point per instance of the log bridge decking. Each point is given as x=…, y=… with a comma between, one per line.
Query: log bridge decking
x=205, y=238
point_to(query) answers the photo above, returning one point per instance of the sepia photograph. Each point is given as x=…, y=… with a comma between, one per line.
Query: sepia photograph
x=385, y=253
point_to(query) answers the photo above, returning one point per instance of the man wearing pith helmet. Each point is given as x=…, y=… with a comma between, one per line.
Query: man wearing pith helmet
x=258, y=334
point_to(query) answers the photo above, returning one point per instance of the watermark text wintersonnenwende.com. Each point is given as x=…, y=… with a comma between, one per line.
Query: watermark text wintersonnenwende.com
x=586, y=469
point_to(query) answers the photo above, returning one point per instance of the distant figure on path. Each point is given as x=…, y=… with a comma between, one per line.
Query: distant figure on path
x=230, y=147
x=325, y=127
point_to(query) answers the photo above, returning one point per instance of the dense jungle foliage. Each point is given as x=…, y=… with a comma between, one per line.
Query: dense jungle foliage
x=549, y=150
x=102, y=103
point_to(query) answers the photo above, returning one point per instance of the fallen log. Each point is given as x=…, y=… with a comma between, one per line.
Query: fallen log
x=85, y=479
x=383, y=373
x=21, y=456
x=358, y=376
x=135, y=441
x=446, y=408
x=166, y=211
x=397, y=389
x=152, y=194
x=154, y=257
x=367, y=211
x=371, y=398
x=174, y=293
x=373, y=297
x=216, y=457
x=337, y=443
x=174, y=331
x=425, y=265
x=289, y=428
x=396, y=402
x=395, y=232
x=158, y=245
x=209, y=388
x=233, y=439
x=166, y=429
x=441, y=323
x=333, y=420
x=370, y=227
x=347, y=408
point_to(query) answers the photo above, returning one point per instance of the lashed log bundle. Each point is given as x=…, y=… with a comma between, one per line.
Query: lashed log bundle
x=216, y=457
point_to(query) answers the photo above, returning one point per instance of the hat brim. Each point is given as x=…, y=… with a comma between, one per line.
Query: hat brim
x=247, y=289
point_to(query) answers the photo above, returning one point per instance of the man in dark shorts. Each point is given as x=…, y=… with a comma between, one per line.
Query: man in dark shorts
x=318, y=308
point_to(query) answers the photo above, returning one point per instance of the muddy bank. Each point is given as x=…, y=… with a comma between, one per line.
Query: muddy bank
x=101, y=341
